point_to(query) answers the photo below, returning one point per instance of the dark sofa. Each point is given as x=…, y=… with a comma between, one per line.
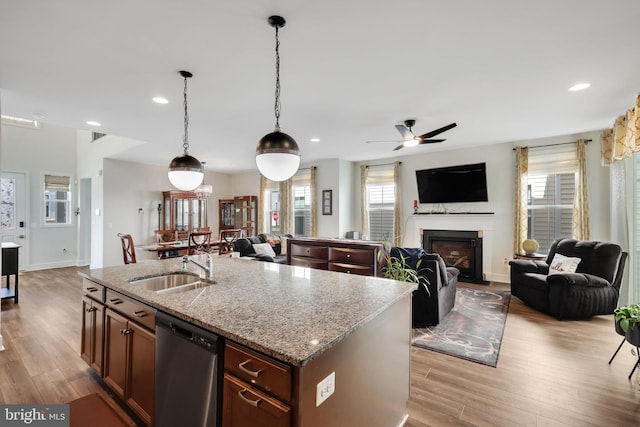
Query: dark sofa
x=244, y=246
x=592, y=290
x=436, y=293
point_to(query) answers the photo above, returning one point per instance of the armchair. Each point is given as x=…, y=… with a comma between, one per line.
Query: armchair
x=435, y=296
x=593, y=288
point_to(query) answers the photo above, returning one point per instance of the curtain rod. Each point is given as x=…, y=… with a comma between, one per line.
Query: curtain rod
x=551, y=145
x=383, y=164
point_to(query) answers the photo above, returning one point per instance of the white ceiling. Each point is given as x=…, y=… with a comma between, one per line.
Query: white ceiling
x=350, y=71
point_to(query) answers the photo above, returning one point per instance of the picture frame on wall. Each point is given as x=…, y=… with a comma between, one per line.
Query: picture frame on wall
x=327, y=202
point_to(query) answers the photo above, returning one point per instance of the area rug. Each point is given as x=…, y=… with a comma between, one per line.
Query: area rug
x=473, y=328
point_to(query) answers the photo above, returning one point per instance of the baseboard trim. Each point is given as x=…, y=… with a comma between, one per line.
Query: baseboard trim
x=49, y=265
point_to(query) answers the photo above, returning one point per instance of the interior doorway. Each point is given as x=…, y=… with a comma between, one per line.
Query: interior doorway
x=14, y=214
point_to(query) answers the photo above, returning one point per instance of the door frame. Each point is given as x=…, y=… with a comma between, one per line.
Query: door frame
x=24, y=260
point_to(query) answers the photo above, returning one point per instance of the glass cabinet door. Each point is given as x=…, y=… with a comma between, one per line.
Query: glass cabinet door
x=198, y=213
x=181, y=209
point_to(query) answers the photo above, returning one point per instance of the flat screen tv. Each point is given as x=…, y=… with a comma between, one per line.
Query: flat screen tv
x=463, y=183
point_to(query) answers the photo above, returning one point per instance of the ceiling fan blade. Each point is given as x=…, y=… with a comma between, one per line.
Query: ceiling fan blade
x=405, y=132
x=383, y=142
x=438, y=131
x=398, y=147
x=431, y=141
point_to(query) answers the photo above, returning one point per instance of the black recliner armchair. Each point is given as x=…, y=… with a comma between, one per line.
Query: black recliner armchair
x=436, y=293
x=592, y=290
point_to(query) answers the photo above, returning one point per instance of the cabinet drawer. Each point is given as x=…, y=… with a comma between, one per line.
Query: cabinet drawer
x=319, y=264
x=362, y=270
x=93, y=290
x=244, y=405
x=259, y=370
x=352, y=256
x=309, y=251
x=138, y=312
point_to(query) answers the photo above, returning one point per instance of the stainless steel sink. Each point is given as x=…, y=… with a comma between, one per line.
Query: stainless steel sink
x=171, y=282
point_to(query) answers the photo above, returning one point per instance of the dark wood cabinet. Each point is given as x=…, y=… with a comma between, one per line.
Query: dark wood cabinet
x=246, y=406
x=92, y=339
x=183, y=211
x=129, y=363
x=345, y=256
x=257, y=390
x=227, y=215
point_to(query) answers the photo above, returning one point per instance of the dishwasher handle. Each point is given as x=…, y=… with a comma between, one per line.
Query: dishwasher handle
x=186, y=334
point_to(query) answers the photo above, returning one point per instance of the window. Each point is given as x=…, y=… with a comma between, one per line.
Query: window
x=272, y=206
x=551, y=188
x=302, y=204
x=57, y=200
x=381, y=197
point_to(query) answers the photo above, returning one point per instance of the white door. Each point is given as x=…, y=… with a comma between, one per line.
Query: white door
x=13, y=213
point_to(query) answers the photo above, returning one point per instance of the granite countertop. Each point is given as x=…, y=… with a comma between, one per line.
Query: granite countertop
x=293, y=314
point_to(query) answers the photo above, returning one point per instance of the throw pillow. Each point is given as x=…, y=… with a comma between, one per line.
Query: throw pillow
x=264, y=249
x=563, y=264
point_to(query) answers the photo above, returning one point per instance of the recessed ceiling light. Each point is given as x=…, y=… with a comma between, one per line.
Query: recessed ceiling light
x=93, y=123
x=579, y=86
x=315, y=140
x=160, y=100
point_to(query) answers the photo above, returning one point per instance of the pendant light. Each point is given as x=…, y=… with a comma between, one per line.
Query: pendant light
x=185, y=171
x=277, y=154
x=203, y=191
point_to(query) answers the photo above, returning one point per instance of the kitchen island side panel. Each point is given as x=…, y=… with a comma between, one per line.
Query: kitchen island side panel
x=372, y=375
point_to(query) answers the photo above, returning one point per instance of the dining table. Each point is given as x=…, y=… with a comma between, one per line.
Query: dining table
x=171, y=249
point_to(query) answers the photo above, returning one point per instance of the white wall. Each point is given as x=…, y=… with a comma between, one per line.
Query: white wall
x=498, y=227
x=132, y=192
x=35, y=152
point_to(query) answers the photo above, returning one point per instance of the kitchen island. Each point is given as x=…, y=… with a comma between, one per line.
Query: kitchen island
x=316, y=323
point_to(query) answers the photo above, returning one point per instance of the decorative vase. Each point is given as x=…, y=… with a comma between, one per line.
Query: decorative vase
x=633, y=335
x=530, y=246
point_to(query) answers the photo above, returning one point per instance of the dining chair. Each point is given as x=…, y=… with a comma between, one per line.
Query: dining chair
x=227, y=237
x=199, y=241
x=166, y=236
x=128, y=249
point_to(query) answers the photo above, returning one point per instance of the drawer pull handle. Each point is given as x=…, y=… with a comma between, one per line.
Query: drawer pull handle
x=140, y=313
x=92, y=289
x=115, y=301
x=348, y=255
x=253, y=403
x=254, y=374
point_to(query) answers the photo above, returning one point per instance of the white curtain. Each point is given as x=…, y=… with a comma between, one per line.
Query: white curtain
x=397, y=208
x=522, y=163
x=364, y=202
x=313, y=184
x=619, y=173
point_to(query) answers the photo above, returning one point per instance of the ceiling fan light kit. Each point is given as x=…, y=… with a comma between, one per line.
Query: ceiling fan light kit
x=409, y=139
x=277, y=154
x=185, y=171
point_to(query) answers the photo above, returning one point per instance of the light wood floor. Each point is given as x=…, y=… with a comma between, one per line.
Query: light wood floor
x=550, y=373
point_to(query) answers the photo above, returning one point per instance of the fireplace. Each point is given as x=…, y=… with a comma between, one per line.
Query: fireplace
x=459, y=249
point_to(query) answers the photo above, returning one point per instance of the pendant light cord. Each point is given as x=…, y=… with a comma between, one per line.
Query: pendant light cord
x=185, y=139
x=277, y=105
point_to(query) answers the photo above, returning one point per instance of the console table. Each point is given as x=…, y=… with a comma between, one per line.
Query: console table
x=10, y=268
x=346, y=256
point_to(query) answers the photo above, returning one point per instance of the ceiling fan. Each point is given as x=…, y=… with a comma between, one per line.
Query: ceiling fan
x=409, y=139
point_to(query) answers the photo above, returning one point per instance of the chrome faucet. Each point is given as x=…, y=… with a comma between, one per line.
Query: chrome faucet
x=207, y=267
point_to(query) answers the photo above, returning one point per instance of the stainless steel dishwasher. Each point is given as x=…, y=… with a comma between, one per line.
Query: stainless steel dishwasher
x=188, y=374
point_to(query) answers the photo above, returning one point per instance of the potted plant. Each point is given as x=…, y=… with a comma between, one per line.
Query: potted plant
x=397, y=268
x=627, y=318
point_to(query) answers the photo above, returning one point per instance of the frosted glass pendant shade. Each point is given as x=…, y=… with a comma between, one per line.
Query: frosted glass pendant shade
x=277, y=156
x=186, y=172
